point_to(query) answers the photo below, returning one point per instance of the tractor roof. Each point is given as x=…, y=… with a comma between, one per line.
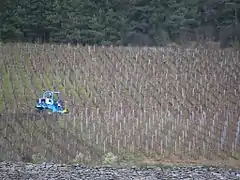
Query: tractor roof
x=50, y=94
x=54, y=92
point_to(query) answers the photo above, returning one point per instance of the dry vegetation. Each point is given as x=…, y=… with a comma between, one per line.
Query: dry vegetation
x=167, y=104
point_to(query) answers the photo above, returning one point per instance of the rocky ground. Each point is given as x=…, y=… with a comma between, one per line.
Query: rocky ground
x=48, y=171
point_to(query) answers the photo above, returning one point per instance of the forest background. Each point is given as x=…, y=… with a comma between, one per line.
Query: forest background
x=120, y=22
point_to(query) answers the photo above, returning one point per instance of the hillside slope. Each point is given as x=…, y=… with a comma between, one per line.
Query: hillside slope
x=165, y=103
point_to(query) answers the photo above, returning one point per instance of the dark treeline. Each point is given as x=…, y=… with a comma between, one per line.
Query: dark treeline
x=120, y=22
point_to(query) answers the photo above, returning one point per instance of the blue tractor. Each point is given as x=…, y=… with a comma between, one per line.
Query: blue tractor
x=51, y=101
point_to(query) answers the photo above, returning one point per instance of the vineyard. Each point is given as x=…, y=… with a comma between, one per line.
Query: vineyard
x=161, y=103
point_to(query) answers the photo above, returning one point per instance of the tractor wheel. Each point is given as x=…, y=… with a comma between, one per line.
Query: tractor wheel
x=38, y=111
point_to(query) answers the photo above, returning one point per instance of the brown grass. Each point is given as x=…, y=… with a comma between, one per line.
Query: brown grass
x=156, y=102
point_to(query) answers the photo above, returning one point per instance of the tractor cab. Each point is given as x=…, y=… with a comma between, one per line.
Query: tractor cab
x=48, y=97
x=48, y=94
x=55, y=95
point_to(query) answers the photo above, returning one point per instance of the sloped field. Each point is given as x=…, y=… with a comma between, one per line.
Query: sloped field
x=162, y=103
